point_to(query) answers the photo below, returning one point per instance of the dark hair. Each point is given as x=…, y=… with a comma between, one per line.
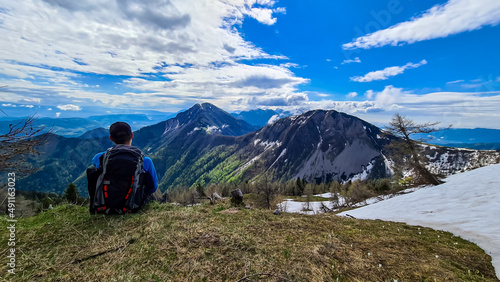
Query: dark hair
x=120, y=132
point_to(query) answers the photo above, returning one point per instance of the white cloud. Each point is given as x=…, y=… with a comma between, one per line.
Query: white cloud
x=471, y=85
x=194, y=45
x=350, y=107
x=387, y=72
x=53, y=94
x=69, y=107
x=280, y=10
x=386, y=97
x=127, y=37
x=320, y=94
x=289, y=65
x=264, y=16
x=7, y=96
x=58, y=114
x=278, y=100
x=455, y=81
x=462, y=109
x=35, y=100
x=369, y=94
x=350, y=61
x=49, y=109
x=228, y=86
x=479, y=84
x=455, y=16
x=352, y=94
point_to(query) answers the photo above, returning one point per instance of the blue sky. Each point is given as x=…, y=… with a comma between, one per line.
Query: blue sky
x=429, y=60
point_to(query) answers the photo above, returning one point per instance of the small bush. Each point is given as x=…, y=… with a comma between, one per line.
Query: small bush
x=358, y=192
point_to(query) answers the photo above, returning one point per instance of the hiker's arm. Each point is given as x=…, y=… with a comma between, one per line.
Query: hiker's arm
x=152, y=183
x=95, y=160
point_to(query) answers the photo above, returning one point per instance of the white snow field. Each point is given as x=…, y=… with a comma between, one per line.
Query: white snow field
x=467, y=205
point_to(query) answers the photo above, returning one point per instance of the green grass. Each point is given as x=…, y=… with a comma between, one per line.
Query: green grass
x=220, y=243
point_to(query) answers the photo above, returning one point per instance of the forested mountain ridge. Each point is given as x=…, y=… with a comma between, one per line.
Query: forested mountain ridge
x=63, y=160
x=206, y=144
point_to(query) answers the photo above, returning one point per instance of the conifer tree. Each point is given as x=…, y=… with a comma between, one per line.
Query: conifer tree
x=300, y=186
x=200, y=189
x=71, y=193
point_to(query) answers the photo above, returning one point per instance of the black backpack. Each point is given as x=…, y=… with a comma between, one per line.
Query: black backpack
x=119, y=187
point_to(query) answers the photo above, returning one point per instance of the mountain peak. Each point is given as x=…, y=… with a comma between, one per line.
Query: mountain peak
x=207, y=106
x=206, y=115
x=202, y=110
x=201, y=117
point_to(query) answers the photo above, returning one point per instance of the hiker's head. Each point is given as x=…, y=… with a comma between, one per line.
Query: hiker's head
x=121, y=133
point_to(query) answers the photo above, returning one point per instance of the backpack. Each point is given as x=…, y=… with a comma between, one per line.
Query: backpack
x=120, y=186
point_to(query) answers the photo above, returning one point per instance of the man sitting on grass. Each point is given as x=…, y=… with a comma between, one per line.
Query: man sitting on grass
x=122, y=179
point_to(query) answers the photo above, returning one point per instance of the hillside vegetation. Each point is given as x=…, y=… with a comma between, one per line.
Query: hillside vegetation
x=219, y=243
x=206, y=144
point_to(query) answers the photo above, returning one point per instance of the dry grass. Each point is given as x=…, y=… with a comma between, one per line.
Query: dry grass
x=215, y=243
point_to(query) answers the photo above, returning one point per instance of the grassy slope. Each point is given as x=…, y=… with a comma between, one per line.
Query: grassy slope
x=217, y=243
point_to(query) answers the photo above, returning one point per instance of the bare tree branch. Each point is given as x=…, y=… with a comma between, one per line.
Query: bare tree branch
x=19, y=142
x=406, y=150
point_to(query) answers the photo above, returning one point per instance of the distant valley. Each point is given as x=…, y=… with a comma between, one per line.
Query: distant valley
x=76, y=126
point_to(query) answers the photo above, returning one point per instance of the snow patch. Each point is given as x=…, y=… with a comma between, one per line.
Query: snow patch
x=311, y=208
x=302, y=207
x=466, y=205
x=364, y=174
x=171, y=127
x=303, y=120
x=281, y=155
x=249, y=163
x=194, y=130
x=325, y=195
x=266, y=144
